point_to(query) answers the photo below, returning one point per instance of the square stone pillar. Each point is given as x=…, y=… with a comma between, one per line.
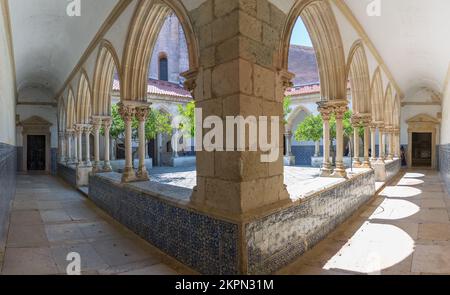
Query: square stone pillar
x=238, y=76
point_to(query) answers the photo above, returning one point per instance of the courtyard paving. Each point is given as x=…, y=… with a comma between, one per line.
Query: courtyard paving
x=405, y=230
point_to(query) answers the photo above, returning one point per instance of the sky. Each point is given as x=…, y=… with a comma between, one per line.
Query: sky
x=300, y=35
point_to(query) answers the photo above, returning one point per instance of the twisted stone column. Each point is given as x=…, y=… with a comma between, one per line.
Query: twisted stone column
x=326, y=112
x=356, y=123
x=107, y=122
x=79, y=134
x=96, y=125
x=127, y=113
x=339, y=110
x=141, y=115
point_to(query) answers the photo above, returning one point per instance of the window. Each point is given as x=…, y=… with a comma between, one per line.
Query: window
x=163, y=69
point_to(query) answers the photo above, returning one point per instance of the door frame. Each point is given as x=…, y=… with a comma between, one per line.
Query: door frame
x=36, y=126
x=423, y=123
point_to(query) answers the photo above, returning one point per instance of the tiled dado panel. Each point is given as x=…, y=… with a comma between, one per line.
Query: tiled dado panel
x=444, y=164
x=392, y=169
x=206, y=244
x=215, y=246
x=67, y=173
x=8, y=163
x=303, y=154
x=276, y=240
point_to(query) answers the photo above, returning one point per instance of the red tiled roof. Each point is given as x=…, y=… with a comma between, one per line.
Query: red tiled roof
x=158, y=87
x=303, y=90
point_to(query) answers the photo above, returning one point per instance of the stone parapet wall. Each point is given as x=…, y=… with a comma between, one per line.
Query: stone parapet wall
x=69, y=174
x=393, y=168
x=164, y=216
x=278, y=239
x=8, y=168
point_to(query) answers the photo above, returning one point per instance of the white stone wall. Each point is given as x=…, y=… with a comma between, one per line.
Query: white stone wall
x=46, y=112
x=410, y=111
x=7, y=92
x=445, y=124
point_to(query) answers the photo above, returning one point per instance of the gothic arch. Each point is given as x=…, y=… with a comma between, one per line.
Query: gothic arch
x=293, y=116
x=83, y=101
x=358, y=74
x=70, y=110
x=147, y=21
x=377, y=97
x=318, y=17
x=61, y=115
x=396, y=112
x=107, y=62
x=389, y=107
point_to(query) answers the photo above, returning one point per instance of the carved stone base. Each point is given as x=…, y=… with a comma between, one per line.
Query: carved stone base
x=128, y=175
x=326, y=170
x=339, y=172
x=107, y=167
x=142, y=174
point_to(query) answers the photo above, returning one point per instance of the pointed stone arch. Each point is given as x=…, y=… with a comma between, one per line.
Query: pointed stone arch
x=107, y=62
x=377, y=96
x=145, y=26
x=359, y=77
x=70, y=110
x=61, y=115
x=83, y=100
x=290, y=120
x=396, y=114
x=389, y=107
x=319, y=19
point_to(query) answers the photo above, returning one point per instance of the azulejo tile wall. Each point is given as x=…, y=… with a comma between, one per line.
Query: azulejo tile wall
x=212, y=245
x=67, y=173
x=444, y=164
x=205, y=244
x=276, y=240
x=8, y=170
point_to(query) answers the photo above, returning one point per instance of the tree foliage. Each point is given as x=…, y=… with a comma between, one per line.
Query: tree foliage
x=311, y=129
x=157, y=122
x=187, y=114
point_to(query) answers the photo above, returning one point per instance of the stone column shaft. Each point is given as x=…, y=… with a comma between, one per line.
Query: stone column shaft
x=107, y=128
x=96, y=124
x=340, y=110
x=326, y=112
x=127, y=113
x=79, y=135
x=382, y=151
x=141, y=115
x=87, y=134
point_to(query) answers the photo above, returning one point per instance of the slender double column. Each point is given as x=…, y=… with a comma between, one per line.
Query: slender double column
x=61, y=150
x=339, y=110
x=87, y=129
x=69, y=152
x=127, y=112
x=382, y=143
x=356, y=124
x=141, y=115
x=107, y=128
x=326, y=111
x=288, y=136
x=390, y=145
x=79, y=144
x=396, y=143
x=365, y=123
x=373, y=142
x=96, y=125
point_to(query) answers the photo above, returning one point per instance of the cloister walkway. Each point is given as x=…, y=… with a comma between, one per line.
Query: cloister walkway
x=404, y=230
x=51, y=219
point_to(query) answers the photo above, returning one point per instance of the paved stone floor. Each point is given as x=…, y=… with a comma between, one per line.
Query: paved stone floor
x=50, y=220
x=404, y=230
x=186, y=176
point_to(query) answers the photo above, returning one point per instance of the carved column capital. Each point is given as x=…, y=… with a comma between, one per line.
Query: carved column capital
x=284, y=79
x=127, y=112
x=191, y=80
x=107, y=123
x=96, y=123
x=325, y=110
x=87, y=129
x=366, y=120
x=142, y=113
x=78, y=129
